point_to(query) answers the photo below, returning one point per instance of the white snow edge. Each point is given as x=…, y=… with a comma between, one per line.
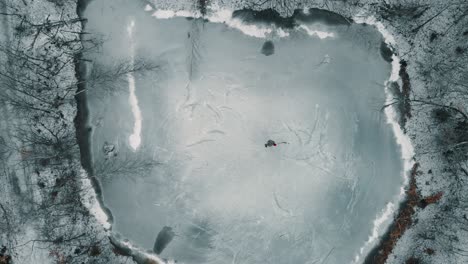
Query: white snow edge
x=407, y=149
x=225, y=16
x=148, y=8
x=90, y=201
x=318, y=33
x=147, y=256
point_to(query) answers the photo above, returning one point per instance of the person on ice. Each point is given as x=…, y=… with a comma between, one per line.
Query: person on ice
x=270, y=143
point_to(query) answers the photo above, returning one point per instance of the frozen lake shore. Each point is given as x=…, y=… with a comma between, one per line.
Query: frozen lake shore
x=204, y=114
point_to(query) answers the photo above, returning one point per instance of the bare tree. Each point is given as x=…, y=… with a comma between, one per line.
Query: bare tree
x=38, y=88
x=129, y=166
x=111, y=79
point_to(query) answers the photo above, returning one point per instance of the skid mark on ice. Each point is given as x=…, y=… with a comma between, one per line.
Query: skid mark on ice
x=308, y=134
x=317, y=115
x=194, y=56
x=217, y=114
x=352, y=201
x=308, y=139
x=236, y=113
x=164, y=123
x=299, y=139
x=216, y=131
x=191, y=109
x=327, y=171
x=275, y=197
x=200, y=142
x=326, y=60
x=188, y=97
x=163, y=155
x=185, y=104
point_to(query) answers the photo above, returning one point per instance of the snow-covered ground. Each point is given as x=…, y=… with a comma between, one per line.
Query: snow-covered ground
x=44, y=216
x=207, y=110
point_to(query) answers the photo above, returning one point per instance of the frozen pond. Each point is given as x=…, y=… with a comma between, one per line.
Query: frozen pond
x=204, y=114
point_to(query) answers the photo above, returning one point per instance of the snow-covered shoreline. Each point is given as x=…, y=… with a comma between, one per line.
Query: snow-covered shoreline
x=225, y=16
x=382, y=222
x=397, y=37
x=42, y=201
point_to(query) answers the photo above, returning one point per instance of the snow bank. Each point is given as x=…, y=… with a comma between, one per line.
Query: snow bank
x=148, y=8
x=379, y=222
x=220, y=16
x=225, y=16
x=407, y=149
x=263, y=31
x=318, y=33
x=141, y=256
x=89, y=199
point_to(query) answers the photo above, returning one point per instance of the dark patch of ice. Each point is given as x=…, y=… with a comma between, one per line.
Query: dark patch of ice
x=267, y=16
x=315, y=15
x=268, y=48
x=386, y=52
x=270, y=16
x=163, y=239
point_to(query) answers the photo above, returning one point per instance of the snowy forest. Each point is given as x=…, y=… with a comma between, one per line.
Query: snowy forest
x=233, y=131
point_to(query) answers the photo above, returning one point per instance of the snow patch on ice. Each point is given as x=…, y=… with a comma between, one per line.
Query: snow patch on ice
x=148, y=8
x=225, y=16
x=378, y=223
x=318, y=33
x=371, y=20
x=219, y=16
x=281, y=33
x=394, y=76
x=90, y=201
x=164, y=14
x=407, y=149
x=135, y=138
x=145, y=255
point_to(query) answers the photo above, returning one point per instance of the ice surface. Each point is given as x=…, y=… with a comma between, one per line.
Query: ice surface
x=207, y=112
